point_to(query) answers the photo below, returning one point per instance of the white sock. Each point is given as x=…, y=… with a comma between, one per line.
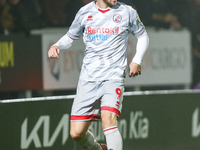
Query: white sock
x=113, y=138
x=89, y=142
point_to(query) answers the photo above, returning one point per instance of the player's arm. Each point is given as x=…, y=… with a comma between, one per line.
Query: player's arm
x=63, y=43
x=141, y=47
x=75, y=31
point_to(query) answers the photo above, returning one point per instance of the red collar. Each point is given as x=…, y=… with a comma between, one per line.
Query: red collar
x=103, y=11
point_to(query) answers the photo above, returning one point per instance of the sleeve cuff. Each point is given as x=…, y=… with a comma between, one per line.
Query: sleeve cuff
x=137, y=61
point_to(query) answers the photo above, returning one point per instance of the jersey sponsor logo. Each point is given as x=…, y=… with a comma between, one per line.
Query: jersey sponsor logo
x=103, y=30
x=89, y=18
x=98, y=37
x=117, y=18
x=101, y=34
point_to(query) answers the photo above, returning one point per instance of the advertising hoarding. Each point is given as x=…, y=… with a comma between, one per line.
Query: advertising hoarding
x=166, y=62
x=20, y=62
x=147, y=122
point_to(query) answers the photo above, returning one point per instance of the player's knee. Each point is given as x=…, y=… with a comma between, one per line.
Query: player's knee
x=76, y=135
x=78, y=130
x=108, y=119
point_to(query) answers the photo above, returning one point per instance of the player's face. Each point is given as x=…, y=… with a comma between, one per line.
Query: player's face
x=110, y=3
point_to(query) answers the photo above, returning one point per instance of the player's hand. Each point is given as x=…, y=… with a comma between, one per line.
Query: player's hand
x=134, y=69
x=54, y=52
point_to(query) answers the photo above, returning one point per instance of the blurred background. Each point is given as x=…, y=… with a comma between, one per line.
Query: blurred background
x=24, y=24
x=161, y=108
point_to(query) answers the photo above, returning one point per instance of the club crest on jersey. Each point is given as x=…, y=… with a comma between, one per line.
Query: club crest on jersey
x=117, y=18
x=89, y=18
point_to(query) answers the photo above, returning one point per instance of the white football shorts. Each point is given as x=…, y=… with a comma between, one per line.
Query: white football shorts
x=95, y=96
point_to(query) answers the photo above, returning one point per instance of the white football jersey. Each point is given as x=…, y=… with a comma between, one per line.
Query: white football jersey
x=105, y=34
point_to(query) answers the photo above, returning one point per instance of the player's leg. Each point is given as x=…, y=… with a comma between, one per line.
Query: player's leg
x=85, y=108
x=78, y=130
x=111, y=105
x=80, y=133
x=111, y=132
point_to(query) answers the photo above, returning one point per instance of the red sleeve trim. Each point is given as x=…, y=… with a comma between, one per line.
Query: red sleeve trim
x=85, y=117
x=71, y=37
x=111, y=109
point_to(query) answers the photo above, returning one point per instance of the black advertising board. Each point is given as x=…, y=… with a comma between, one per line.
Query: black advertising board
x=147, y=122
x=162, y=122
x=20, y=62
x=35, y=125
